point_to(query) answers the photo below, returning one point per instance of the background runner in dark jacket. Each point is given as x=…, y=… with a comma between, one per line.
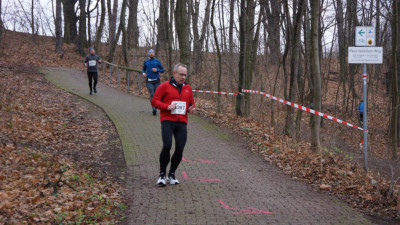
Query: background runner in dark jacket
x=92, y=62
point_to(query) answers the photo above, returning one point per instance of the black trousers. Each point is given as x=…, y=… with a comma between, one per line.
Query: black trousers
x=179, y=130
x=92, y=76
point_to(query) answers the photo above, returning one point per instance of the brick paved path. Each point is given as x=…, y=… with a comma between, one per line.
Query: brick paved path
x=222, y=182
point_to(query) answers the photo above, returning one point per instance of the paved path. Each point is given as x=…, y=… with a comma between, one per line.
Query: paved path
x=222, y=182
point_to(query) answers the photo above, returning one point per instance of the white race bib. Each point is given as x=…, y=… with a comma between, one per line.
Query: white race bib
x=180, y=108
x=92, y=62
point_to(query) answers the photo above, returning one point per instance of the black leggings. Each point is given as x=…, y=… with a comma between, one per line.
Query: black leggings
x=94, y=76
x=179, y=131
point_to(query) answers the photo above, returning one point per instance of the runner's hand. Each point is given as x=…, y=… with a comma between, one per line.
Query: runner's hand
x=172, y=107
x=192, y=109
x=154, y=70
x=144, y=74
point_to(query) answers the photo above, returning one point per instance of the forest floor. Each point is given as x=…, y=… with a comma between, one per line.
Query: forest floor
x=334, y=173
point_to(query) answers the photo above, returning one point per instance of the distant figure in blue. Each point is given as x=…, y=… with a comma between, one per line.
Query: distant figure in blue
x=360, y=108
x=151, y=68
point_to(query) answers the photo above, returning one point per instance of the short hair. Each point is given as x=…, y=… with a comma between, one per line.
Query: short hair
x=178, y=65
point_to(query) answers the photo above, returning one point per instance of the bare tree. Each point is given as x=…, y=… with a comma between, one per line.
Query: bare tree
x=395, y=79
x=99, y=31
x=82, y=40
x=231, y=23
x=122, y=27
x=248, y=52
x=59, y=41
x=342, y=46
x=1, y=25
x=219, y=55
x=198, y=39
x=316, y=74
x=133, y=29
x=273, y=9
x=164, y=37
x=112, y=18
x=70, y=19
x=294, y=66
x=181, y=18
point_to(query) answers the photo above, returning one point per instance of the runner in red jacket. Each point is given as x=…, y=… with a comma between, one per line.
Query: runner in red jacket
x=174, y=99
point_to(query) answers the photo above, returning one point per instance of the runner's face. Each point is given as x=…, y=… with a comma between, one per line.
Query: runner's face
x=180, y=75
x=151, y=54
x=92, y=51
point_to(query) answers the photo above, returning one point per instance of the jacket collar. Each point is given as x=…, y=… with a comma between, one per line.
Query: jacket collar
x=175, y=84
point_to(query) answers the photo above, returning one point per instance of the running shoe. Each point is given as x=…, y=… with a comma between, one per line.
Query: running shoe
x=172, y=179
x=90, y=93
x=161, y=181
x=154, y=112
x=95, y=91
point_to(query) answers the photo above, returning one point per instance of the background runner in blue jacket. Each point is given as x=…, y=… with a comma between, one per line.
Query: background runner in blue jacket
x=151, y=68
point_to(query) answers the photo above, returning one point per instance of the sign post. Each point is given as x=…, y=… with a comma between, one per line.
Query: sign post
x=365, y=53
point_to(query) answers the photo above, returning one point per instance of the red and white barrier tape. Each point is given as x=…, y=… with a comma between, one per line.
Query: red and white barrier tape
x=215, y=92
x=303, y=108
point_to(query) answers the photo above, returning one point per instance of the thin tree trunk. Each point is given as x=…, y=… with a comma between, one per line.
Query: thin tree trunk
x=342, y=46
x=113, y=29
x=231, y=23
x=124, y=33
x=59, y=41
x=1, y=25
x=181, y=19
x=294, y=66
x=32, y=18
x=82, y=28
x=99, y=32
x=395, y=85
x=274, y=31
x=133, y=29
x=198, y=39
x=242, y=60
x=219, y=56
x=316, y=74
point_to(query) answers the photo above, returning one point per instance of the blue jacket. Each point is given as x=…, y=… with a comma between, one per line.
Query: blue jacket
x=149, y=64
x=360, y=107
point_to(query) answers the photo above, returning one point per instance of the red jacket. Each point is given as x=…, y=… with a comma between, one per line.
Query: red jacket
x=165, y=94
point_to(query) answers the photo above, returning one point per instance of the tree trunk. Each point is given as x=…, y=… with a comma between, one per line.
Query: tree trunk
x=1, y=25
x=231, y=23
x=294, y=66
x=33, y=19
x=70, y=19
x=342, y=46
x=248, y=53
x=219, y=56
x=273, y=17
x=113, y=29
x=99, y=31
x=163, y=39
x=181, y=19
x=198, y=39
x=378, y=34
x=59, y=41
x=82, y=28
x=124, y=32
x=133, y=29
x=395, y=85
x=316, y=74
x=353, y=22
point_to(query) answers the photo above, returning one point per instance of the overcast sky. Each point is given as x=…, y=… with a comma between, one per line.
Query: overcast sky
x=16, y=16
